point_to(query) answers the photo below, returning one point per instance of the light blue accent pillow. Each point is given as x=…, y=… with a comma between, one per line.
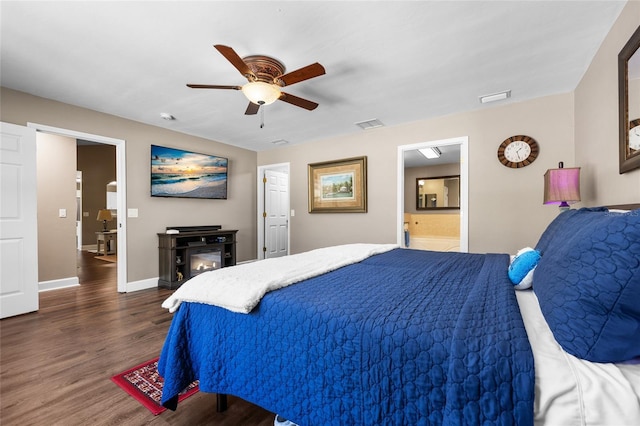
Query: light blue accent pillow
x=588, y=283
x=522, y=267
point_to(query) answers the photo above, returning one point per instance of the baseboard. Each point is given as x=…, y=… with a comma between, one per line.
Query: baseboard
x=142, y=284
x=57, y=284
x=74, y=282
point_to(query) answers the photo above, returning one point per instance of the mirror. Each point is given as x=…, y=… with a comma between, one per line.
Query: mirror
x=442, y=192
x=629, y=103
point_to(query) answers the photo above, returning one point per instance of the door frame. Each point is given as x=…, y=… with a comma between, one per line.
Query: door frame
x=463, y=141
x=78, y=208
x=121, y=162
x=279, y=167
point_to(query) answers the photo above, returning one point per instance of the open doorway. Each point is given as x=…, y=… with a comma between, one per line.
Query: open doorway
x=434, y=212
x=97, y=200
x=120, y=221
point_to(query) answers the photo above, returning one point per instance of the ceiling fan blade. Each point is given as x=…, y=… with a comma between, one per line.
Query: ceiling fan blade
x=234, y=58
x=302, y=74
x=252, y=109
x=213, y=86
x=302, y=103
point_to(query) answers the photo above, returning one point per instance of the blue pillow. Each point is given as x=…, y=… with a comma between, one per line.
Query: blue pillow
x=558, y=231
x=522, y=267
x=588, y=283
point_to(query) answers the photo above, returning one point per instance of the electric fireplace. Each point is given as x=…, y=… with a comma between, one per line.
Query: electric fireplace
x=204, y=259
x=186, y=251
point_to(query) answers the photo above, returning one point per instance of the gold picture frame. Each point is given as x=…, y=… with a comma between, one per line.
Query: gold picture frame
x=338, y=186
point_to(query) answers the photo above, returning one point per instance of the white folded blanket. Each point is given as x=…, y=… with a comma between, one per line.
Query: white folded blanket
x=240, y=288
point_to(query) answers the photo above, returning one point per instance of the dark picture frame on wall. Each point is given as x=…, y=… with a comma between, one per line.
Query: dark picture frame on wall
x=628, y=100
x=338, y=186
x=178, y=173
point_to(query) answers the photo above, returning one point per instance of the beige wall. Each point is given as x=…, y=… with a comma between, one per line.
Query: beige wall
x=505, y=205
x=237, y=212
x=596, y=129
x=56, y=157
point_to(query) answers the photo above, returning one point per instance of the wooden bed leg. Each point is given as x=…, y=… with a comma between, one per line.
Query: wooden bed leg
x=221, y=402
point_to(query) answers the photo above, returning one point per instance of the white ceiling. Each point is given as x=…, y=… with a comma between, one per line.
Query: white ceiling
x=397, y=61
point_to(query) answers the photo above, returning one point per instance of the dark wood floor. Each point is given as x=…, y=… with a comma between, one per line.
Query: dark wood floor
x=56, y=364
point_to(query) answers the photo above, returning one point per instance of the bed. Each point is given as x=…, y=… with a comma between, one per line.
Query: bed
x=375, y=334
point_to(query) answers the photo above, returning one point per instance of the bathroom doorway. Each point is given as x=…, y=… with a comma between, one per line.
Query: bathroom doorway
x=441, y=228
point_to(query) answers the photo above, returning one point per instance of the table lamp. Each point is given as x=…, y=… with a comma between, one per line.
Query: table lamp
x=562, y=186
x=104, y=216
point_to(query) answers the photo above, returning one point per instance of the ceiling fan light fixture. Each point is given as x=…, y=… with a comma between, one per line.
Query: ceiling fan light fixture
x=261, y=93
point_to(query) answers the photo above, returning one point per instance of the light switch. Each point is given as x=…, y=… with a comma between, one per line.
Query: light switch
x=62, y=213
x=293, y=212
x=85, y=214
x=132, y=212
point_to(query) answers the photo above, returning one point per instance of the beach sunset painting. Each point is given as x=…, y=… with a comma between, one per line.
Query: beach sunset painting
x=186, y=174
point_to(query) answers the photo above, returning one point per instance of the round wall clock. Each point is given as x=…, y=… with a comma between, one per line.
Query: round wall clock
x=518, y=151
x=634, y=135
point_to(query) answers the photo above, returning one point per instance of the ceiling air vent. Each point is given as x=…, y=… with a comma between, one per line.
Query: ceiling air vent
x=495, y=97
x=369, y=124
x=280, y=142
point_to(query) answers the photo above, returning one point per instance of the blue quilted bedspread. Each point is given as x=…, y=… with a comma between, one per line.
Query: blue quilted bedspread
x=403, y=338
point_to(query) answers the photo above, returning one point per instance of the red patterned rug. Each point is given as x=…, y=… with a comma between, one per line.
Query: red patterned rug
x=145, y=384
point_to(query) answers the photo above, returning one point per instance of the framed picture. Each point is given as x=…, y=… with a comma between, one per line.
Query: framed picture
x=338, y=186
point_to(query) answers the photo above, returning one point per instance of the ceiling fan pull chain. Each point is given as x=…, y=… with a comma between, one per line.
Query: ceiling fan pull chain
x=262, y=117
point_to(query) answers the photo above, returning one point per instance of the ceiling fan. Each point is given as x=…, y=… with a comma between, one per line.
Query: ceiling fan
x=266, y=76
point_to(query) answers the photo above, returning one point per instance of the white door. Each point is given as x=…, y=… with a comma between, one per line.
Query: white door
x=276, y=214
x=18, y=221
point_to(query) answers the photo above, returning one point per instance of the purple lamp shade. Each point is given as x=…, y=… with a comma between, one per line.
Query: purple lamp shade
x=562, y=186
